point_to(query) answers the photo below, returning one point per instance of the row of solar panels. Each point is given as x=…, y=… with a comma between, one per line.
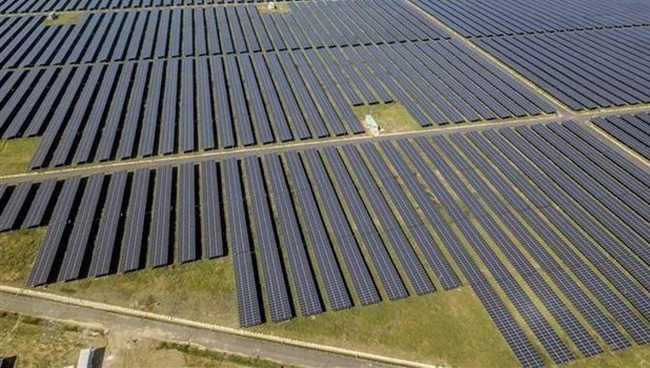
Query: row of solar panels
x=102, y=112
x=477, y=18
x=163, y=107
x=9, y=6
x=584, y=70
x=119, y=223
x=364, y=202
x=550, y=205
x=185, y=32
x=631, y=130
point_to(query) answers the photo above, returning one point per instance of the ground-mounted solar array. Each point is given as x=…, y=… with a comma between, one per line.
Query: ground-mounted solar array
x=476, y=18
x=399, y=214
x=224, y=77
x=186, y=32
x=258, y=99
x=584, y=70
x=223, y=129
x=585, y=54
x=631, y=130
x=10, y=7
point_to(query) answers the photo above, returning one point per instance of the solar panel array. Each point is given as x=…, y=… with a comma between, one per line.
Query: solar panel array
x=631, y=130
x=191, y=32
x=189, y=79
x=327, y=229
x=586, y=54
x=249, y=100
x=584, y=70
x=9, y=7
x=477, y=18
x=547, y=223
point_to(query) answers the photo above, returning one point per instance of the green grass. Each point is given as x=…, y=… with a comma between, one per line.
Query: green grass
x=15, y=155
x=43, y=343
x=18, y=251
x=447, y=327
x=392, y=117
x=450, y=328
x=637, y=357
x=64, y=18
x=201, y=291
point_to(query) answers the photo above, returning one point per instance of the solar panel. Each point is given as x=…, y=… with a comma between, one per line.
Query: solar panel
x=186, y=224
x=52, y=131
x=383, y=264
x=188, y=107
x=80, y=242
x=410, y=219
x=135, y=240
x=300, y=267
x=14, y=206
x=259, y=116
x=169, y=118
x=96, y=117
x=630, y=290
x=389, y=224
x=162, y=233
x=133, y=120
x=225, y=132
x=248, y=301
x=270, y=95
x=211, y=211
x=114, y=117
x=238, y=100
x=52, y=242
x=39, y=204
x=62, y=151
x=354, y=261
x=270, y=254
x=315, y=232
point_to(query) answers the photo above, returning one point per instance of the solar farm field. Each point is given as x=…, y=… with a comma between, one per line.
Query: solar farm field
x=212, y=160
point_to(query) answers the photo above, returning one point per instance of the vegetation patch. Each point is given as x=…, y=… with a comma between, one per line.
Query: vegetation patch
x=18, y=251
x=200, y=291
x=15, y=155
x=279, y=8
x=391, y=117
x=444, y=328
x=64, y=19
x=44, y=343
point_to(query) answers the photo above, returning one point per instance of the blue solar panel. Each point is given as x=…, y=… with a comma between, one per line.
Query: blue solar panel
x=186, y=224
x=56, y=231
x=355, y=264
x=162, y=232
x=300, y=267
x=80, y=243
x=134, y=243
x=211, y=211
x=248, y=302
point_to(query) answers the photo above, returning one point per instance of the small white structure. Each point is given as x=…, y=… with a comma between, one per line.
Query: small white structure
x=91, y=358
x=85, y=358
x=271, y=6
x=52, y=15
x=372, y=126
